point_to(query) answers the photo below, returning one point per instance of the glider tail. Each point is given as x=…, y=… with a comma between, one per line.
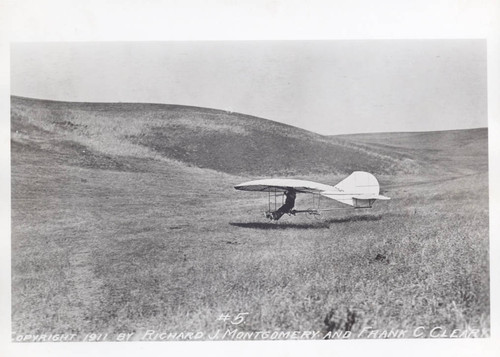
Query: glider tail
x=361, y=188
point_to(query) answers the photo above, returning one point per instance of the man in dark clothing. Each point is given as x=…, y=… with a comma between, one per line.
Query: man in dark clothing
x=287, y=207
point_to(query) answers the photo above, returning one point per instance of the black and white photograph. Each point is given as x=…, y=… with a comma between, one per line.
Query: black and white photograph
x=182, y=191
x=249, y=190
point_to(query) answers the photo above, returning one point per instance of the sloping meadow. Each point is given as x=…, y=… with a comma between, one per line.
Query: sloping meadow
x=124, y=220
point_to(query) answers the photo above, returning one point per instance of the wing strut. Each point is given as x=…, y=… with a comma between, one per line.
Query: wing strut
x=276, y=193
x=269, y=200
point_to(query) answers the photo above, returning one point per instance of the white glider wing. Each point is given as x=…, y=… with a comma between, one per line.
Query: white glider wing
x=360, y=189
x=282, y=185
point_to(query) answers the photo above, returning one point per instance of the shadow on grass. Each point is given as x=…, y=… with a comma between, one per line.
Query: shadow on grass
x=320, y=224
x=361, y=218
x=271, y=225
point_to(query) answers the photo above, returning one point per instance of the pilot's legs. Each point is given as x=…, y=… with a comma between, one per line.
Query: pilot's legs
x=277, y=215
x=286, y=208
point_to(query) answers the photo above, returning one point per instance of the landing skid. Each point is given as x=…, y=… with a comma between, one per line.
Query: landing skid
x=270, y=215
x=308, y=211
x=315, y=213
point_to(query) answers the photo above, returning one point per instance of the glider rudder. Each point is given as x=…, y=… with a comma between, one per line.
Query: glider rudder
x=364, y=188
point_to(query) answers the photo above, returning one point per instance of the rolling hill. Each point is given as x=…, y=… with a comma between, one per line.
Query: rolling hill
x=441, y=152
x=119, y=136
x=124, y=219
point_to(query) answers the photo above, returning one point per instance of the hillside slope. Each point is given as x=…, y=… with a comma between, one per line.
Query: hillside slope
x=452, y=151
x=115, y=227
x=120, y=136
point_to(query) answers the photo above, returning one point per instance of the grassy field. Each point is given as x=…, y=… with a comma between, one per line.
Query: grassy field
x=124, y=219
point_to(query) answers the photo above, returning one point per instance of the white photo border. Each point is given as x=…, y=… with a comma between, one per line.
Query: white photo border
x=135, y=20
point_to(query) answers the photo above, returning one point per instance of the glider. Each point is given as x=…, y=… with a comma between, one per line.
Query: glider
x=359, y=190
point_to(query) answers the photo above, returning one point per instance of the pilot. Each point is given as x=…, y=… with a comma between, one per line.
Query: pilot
x=287, y=207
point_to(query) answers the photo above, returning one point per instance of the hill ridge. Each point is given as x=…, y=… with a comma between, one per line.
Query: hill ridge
x=228, y=142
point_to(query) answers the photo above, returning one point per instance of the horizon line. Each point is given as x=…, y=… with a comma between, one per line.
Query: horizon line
x=248, y=115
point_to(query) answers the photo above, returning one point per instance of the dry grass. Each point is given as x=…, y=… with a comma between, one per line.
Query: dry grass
x=121, y=243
